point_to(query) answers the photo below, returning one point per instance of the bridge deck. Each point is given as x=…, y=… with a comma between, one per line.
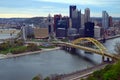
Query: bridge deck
x=90, y=50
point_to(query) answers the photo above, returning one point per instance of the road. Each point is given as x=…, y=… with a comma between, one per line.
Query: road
x=83, y=73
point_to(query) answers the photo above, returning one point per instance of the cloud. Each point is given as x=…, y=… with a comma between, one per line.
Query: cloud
x=7, y=15
x=29, y=12
x=82, y=2
x=44, y=7
x=85, y=2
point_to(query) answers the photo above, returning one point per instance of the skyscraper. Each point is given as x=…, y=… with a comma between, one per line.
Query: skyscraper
x=89, y=29
x=105, y=20
x=82, y=20
x=110, y=22
x=72, y=8
x=76, y=19
x=87, y=15
x=56, y=19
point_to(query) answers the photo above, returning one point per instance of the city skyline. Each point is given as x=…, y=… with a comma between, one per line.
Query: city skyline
x=35, y=8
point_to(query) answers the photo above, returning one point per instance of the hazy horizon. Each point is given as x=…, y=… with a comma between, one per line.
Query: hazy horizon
x=39, y=8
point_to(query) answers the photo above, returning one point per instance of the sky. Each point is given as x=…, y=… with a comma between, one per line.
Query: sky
x=37, y=8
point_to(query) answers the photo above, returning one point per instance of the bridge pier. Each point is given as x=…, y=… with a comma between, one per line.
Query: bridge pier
x=69, y=49
x=107, y=60
x=66, y=48
x=103, y=59
x=63, y=48
x=73, y=50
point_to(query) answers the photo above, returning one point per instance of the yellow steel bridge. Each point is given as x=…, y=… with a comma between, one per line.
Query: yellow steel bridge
x=101, y=50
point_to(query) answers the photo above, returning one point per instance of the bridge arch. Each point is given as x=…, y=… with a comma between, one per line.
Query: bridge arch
x=94, y=41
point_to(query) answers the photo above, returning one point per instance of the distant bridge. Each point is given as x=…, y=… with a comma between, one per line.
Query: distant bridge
x=79, y=44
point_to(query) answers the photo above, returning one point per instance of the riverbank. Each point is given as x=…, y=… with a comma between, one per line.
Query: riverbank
x=109, y=37
x=8, y=31
x=112, y=37
x=9, y=55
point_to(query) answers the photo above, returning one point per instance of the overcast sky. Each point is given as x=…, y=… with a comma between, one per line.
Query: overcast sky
x=33, y=8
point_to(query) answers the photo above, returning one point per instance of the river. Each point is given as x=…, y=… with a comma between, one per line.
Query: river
x=47, y=63
x=4, y=33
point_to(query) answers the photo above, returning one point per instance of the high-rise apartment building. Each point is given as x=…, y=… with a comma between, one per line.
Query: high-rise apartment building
x=87, y=15
x=105, y=20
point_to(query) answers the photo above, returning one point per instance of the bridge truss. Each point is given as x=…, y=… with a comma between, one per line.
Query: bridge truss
x=101, y=48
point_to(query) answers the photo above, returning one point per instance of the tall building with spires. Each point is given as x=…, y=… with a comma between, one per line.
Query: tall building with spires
x=87, y=15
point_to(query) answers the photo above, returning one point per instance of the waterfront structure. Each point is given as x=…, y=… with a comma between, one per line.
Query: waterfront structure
x=89, y=29
x=41, y=33
x=105, y=20
x=87, y=15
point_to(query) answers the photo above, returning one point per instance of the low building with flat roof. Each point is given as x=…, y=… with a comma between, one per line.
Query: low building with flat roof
x=41, y=33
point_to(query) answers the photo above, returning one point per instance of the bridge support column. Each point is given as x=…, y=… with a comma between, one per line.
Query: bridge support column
x=107, y=59
x=64, y=47
x=73, y=50
x=103, y=59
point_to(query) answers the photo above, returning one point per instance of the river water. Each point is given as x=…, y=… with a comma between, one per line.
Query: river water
x=46, y=63
x=4, y=33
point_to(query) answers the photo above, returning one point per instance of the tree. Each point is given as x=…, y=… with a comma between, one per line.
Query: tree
x=91, y=78
x=110, y=72
x=38, y=77
x=19, y=42
x=4, y=46
x=32, y=47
